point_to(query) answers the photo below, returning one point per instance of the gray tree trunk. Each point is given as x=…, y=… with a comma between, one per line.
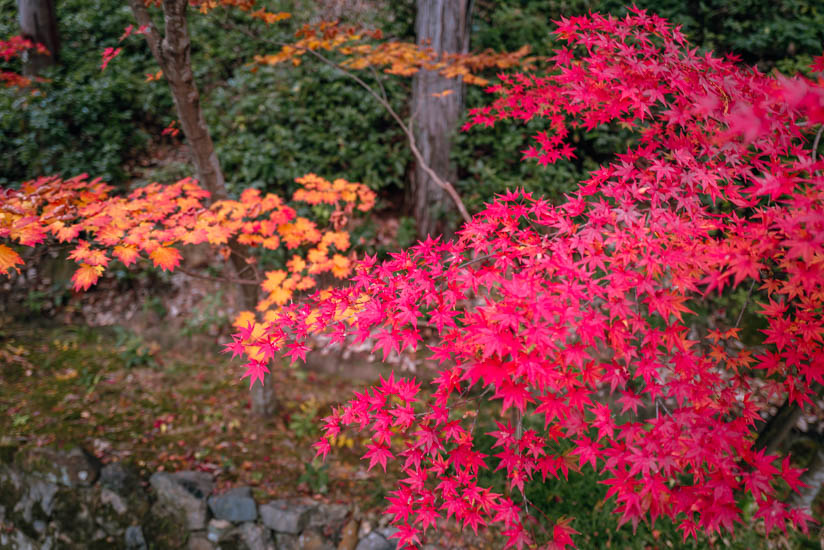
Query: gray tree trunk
x=38, y=23
x=172, y=50
x=814, y=478
x=444, y=26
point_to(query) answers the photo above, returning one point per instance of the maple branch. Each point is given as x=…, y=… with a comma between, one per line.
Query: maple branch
x=383, y=90
x=221, y=279
x=151, y=33
x=817, y=141
x=475, y=260
x=744, y=306
x=440, y=182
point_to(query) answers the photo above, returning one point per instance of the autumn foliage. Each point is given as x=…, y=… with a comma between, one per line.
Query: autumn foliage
x=576, y=320
x=365, y=48
x=579, y=317
x=11, y=48
x=152, y=221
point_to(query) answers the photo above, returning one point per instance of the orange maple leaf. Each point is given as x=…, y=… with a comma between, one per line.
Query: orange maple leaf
x=166, y=258
x=9, y=259
x=126, y=254
x=86, y=275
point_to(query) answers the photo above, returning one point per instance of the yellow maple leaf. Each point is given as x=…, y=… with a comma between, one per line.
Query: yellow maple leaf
x=274, y=280
x=340, y=266
x=296, y=264
x=243, y=319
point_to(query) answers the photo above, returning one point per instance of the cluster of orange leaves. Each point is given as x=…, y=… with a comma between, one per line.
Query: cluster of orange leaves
x=398, y=58
x=151, y=221
x=205, y=6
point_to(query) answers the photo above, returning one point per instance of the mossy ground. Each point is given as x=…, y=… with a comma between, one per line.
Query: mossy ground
x=173, y=410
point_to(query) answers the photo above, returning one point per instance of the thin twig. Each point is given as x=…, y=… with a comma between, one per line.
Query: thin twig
x=817, y=141
x=218, y=279
x=744, y=307
x=378, y=80
x=440, y=182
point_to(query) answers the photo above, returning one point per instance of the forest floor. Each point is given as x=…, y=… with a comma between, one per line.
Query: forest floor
x=133, y=371
x=124, y=398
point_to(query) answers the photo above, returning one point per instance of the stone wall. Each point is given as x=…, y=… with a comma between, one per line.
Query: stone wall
x=66, y=499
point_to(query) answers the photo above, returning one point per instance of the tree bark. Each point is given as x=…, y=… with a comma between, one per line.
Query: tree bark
x=172, y=50
x=814, y=479
x=444, y=26
x=173, y=54
x=38, y=23
x=774, y=432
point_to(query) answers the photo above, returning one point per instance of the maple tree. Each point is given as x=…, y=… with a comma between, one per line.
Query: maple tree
x=556, y=310
x=553, y=311
x=152, y=221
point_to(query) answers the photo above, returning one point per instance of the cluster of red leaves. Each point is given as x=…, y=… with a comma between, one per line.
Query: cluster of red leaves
x=11, y=48
x=399, y=58
x=151, y=221
x=556, y=311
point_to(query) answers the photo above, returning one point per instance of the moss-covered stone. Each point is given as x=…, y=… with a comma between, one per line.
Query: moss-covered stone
x=164, y=528
x=8, y=448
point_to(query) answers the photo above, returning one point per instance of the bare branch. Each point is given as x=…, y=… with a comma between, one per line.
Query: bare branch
x=247, y=282
x=440, y=182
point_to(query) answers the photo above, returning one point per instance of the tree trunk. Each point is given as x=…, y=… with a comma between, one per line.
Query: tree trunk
x=774, y=432
x=38, y=23
x=444, y=26
x=173, y=53
x=813, y=478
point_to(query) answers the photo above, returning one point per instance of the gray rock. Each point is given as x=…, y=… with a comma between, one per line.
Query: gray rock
x=236, y=505
x=114, y=500
x=374, y=541
x=198, y=541
x=118, y=478
x=18, y=541
x=387, y=532
x=331, y=516
x=187, y=492
x=41, y=492
x=312, y=540
x=134, y=538
x=217, y=528
x=255, y=537
x=73, y=468
x=286, y=516
x=285, y=541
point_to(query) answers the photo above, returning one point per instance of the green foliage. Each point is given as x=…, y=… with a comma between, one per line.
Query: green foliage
x=316, y=477
x=407, y=232
x=133, y=350
x=279, y=123
x=208, y=317
x=304, y=423
x=80, y=119
x=782, y=34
